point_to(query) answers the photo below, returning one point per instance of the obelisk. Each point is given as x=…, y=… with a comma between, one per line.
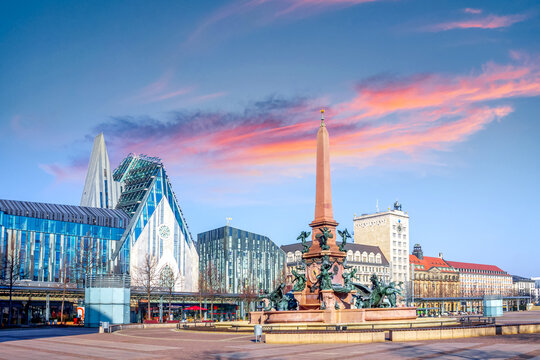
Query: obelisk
x=324, y=215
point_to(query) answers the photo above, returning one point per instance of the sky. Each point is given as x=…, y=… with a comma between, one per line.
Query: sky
x=432, y=103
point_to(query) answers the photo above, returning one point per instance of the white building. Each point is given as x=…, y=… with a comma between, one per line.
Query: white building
x=390, y=232
x=523, y=286
x=157, y=226
x=100, y=190
x=140, y=187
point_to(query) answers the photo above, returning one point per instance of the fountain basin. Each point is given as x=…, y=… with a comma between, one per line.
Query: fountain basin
x=333, y=316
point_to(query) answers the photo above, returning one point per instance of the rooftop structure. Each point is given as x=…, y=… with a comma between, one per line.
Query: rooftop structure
x=100, y=190
x=481, y=279
x=67, y=213
x=478, y=268
x=427, y=263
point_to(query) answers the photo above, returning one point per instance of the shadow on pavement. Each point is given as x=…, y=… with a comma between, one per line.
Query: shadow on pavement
x=43, y=332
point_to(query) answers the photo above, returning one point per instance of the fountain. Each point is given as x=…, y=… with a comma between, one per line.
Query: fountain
x=326, y=292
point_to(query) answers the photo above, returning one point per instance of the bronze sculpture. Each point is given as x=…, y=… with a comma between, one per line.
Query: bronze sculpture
x=325, y=277
x=303, y=235
x=300, y=280
x=379, y=295
x=323, y=238
x=275, y=298
x=344, y=236
x=391, y=292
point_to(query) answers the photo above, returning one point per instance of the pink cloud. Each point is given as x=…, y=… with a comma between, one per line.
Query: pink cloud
x=207, y=97
x=62, y=173
x=486, y=22
x=472, y=11
x=385, y=117
x=267, y=11
x=160, y=90
x=386, y=96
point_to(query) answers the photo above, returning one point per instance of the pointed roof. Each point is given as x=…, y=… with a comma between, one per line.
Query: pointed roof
x=99, y=188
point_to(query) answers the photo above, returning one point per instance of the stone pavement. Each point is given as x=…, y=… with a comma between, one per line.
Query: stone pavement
x=76, y=343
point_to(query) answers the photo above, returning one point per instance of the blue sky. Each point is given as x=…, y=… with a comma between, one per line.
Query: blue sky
x=432, y=103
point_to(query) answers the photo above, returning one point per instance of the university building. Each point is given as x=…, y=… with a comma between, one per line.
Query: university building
x=157, y=226
x=58, y=243
x=388, y=231
x=100, y=189
x=366, y=259
x=236, y=261
x=63, y=243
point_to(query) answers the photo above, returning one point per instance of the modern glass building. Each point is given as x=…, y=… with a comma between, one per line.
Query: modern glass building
x=240, y=260
x=53, y=243
x=157, y=225
x=57, y=243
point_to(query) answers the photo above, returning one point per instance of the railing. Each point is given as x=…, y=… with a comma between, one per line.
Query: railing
x=205, y=324
x=476, y=319
x=107, y=281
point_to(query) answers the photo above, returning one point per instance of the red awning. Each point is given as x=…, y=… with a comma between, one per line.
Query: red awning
x=195, y=307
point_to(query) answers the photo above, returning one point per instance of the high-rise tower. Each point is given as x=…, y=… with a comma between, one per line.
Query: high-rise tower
x=389, y=230
x=100, y=189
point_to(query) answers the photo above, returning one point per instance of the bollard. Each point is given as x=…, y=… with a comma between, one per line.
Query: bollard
x=258, y=333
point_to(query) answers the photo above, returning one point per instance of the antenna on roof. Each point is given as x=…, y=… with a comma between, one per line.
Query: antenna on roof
x=228, y=220
x=377, y=205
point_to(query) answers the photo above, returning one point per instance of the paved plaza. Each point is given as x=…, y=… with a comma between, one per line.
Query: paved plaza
x=73, y=343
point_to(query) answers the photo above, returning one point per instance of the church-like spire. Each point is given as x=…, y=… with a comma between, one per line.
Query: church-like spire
x=100, y=190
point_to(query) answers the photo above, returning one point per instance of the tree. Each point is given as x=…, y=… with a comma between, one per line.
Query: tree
x=212, y=284
x=11, y=271
x=65, y=274
x=87, y=260
x=281, y=278
x=168, y=280
x=200, y=293
x=248, y=294
x=146, y=277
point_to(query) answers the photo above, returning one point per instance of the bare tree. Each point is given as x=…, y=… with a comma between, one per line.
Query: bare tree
x=200, y=293
x=168, y=280
x=11, y=271
x=281, y=278
x=65, y=277
x=212, y=284
x=87, y=260
x=146, y=277
x=248, y=294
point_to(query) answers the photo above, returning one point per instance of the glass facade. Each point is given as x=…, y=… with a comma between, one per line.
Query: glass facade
x=240, y=259
x=157, y=224
x=54, y=243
